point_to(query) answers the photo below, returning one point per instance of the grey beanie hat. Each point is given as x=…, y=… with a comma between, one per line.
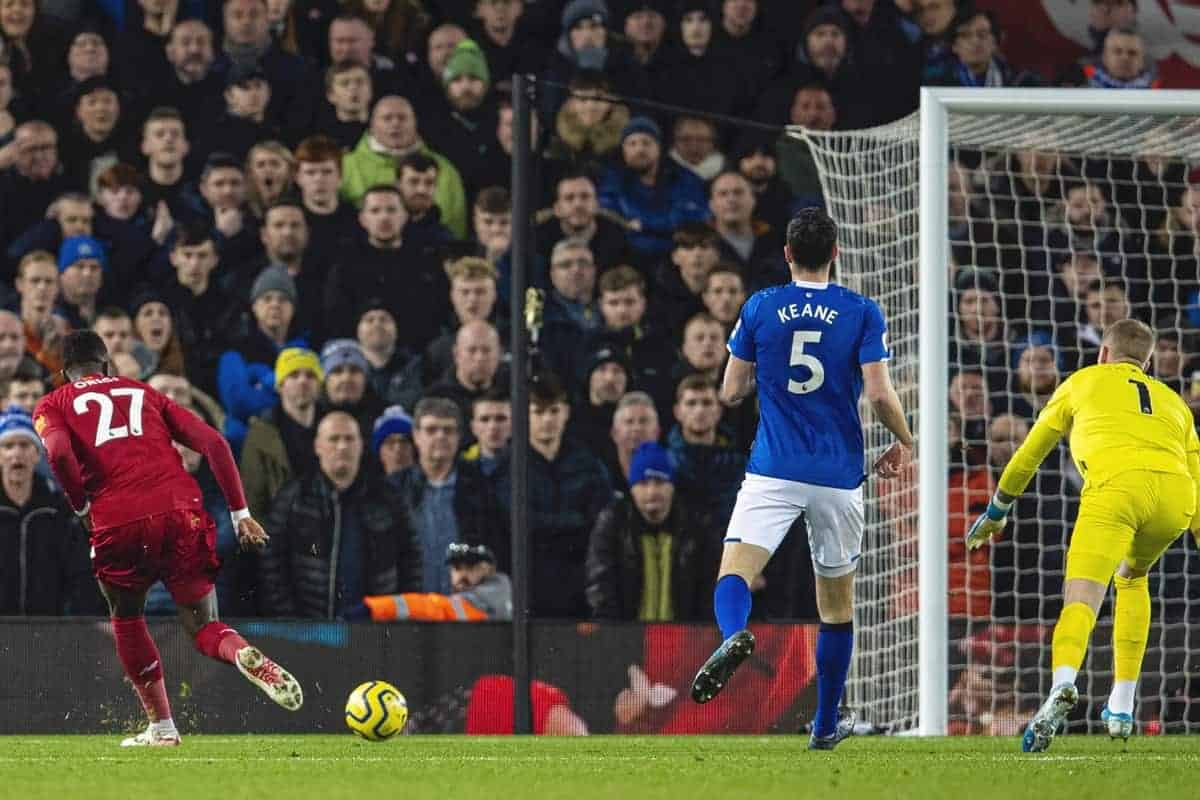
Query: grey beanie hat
x=274, y=278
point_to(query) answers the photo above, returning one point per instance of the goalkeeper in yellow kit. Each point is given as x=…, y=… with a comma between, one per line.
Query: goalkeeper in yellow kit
x=1134, y=442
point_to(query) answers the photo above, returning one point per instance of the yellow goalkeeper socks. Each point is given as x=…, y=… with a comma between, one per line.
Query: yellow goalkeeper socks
x=1131, y=629
x=1071, y=636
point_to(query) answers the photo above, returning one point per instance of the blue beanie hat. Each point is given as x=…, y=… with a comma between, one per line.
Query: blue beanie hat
x=651, y=462
x=78, y=248
x=642, y=124
x=579, y=10
x=15, y=421
x=341, y=352
x=393, y=420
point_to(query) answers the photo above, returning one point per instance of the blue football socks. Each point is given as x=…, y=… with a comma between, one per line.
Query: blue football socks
x=835, y=644
x=731, y=601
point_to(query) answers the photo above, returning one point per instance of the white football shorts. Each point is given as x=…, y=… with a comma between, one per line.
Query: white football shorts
x=766, y=509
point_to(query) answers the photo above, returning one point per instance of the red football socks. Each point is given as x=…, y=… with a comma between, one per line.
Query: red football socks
x=143, y=667
x=218, y=640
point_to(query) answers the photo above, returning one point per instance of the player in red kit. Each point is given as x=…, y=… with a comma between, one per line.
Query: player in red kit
x=108, y=440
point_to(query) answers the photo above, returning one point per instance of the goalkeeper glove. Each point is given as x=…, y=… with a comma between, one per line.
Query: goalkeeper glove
x=988, y=524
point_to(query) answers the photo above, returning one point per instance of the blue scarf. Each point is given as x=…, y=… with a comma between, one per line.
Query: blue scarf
x=1100, y=79
x=993, y=77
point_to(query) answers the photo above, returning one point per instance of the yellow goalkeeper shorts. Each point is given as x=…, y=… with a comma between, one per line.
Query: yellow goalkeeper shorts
x=1132, y=517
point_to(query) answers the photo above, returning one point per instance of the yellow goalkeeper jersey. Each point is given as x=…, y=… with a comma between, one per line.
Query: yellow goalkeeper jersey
x=1118, y=419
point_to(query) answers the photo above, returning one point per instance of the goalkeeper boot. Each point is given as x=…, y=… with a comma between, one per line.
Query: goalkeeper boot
x=275, y=681
x=719, y=668
x=155, y=735
x=843, y=730
x=1120, y=725
x=1050, y=718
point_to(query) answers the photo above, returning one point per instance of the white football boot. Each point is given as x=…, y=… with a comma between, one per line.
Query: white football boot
x=1050, y=718
x=275, y=681
x=154, y=736
x=1120, y=725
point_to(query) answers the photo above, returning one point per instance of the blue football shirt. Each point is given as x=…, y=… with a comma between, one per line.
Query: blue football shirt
x=808, y=342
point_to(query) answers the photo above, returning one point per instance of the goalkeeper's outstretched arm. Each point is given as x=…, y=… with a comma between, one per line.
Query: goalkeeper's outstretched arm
x=1016, y=476
x=1025, y=462
x=1052, y=423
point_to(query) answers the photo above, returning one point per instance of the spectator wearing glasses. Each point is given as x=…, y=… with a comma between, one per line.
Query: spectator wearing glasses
x=572, y=296
x=449, y=497
x=32, y=180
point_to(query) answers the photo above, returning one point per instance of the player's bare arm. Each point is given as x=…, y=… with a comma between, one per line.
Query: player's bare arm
x=738, y=383
x=877, y=385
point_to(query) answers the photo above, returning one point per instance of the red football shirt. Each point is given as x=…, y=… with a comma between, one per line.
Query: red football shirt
x=490, y=708
x=108, y=441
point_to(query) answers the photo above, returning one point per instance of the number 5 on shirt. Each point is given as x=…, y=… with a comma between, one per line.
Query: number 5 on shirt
x=803, y=359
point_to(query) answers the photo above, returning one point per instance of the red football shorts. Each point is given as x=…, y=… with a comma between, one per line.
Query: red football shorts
x=178, y=547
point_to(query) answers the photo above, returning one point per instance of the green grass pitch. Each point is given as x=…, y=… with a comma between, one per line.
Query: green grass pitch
x=691, y=768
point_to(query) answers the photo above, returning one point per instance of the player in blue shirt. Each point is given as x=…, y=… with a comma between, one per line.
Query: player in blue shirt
x=811, y=347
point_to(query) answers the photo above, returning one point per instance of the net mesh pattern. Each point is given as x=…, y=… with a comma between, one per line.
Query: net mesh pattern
x=1058, y=225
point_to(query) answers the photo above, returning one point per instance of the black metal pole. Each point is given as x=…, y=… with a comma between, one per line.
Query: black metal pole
x=522, y=162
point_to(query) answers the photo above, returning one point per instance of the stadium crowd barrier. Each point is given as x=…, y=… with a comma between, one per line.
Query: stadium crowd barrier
x=456, y=677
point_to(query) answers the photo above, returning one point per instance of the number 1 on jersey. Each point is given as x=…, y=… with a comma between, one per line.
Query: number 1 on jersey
x=803, y=359
x=105, y=432
x=1143, y=396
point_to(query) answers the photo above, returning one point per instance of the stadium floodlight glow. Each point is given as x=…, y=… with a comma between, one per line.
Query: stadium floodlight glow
x=888, y=189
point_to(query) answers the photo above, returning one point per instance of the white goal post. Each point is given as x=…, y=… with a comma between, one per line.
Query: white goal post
x=888, y=189
x=936, y=106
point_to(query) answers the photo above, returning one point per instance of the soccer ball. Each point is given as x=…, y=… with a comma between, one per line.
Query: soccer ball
x=376, y=711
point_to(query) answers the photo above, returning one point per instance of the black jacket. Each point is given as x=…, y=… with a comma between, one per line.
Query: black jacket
x=468, y=139
x=713, y=82
x=712, y=472
x=204, y=324
x=44, y=564
x=23, y=201
x=614, y=561
x=672, y=303
x=565, y=497
x=128, y=247
x=412, y=286
x=298, y=570
x=292, y=103
x=609, y=246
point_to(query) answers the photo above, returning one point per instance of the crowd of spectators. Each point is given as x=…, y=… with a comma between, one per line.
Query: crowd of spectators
x=295, y=218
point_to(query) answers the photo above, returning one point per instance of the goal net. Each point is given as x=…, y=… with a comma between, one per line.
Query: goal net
x=1058, y=224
